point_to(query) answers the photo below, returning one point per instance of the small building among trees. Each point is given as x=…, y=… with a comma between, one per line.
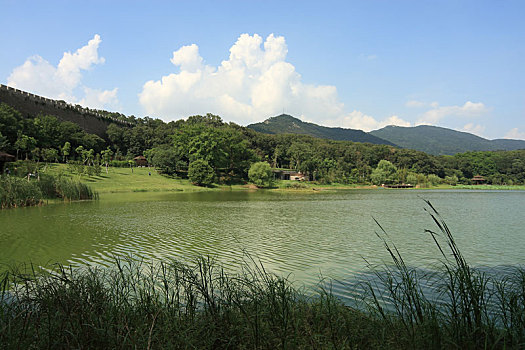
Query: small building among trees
x=290, y=175
x=140, y=161
x=478, y=180
x=4, y=158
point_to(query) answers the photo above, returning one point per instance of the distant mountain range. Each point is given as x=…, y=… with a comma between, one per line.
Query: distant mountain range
x=286, y=124
x=437, y=140
x=430, y=139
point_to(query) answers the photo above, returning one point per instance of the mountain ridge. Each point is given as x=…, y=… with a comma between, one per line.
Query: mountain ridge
x=287, y=124
x=443, y=141
x=430, y=139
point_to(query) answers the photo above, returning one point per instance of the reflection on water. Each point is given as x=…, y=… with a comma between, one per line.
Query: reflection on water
x=299, y=234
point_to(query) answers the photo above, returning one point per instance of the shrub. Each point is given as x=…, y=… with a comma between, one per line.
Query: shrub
x=200, y=173
x=296, y=185
x=451, y=180
x=412, y=179
x=434, y=179
x=18, y=192
x=167, y=160
x=119, y=163
x=73, y=190
x=260, y=174
x=385, y=173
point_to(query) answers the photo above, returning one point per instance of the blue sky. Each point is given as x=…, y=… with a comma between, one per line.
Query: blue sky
x=356, y=64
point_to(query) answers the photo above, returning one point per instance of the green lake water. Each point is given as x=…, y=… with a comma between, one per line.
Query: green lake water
x=302, y=235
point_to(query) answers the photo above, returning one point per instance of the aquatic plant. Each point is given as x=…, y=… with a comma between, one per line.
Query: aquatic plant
x=199, y=305
x=19, y=192
x=468, y=308
x=73, y=190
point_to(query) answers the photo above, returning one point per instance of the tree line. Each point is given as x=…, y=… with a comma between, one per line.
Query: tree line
x=227, y=150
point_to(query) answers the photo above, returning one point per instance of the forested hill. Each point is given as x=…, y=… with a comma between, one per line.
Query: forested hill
x=441, y=141
x=90, y=120
x=286, y=124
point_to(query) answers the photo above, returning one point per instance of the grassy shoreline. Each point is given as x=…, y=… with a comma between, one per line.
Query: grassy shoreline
x=174, y=305
x=120, y=180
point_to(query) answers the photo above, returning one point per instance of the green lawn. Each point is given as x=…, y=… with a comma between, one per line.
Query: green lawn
x=491, y=187
x=124, y=180
x=140, y=180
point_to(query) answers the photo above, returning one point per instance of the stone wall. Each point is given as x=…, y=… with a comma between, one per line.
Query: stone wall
x=30, y=105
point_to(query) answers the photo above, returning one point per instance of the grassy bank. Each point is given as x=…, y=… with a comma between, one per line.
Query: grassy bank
x=21, y=192
x=149, y=180
x=491, y=187
x=124, y=180
x=174, y=305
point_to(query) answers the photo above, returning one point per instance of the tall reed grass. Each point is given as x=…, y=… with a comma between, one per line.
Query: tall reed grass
x=468, y=308
x=18, y=192
x=21, y=192
x=73, y=190
x=173, y=305
x=200, y=306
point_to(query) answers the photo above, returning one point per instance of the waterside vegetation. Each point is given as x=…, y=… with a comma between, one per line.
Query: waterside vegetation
x=200, y=305
x=21, y=192
x=230, y=150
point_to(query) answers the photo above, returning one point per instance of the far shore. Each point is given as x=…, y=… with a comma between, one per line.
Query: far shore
x=146, y=179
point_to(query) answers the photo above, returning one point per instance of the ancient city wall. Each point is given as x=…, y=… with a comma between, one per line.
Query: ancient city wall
x=30, y=105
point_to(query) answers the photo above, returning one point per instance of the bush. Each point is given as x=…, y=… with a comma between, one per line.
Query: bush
x=119, y=163
x=260, y=174
x=200, y=173
x=412, y=179
x=47, y=186
x=295, y=185
x=74, y=190
x=434, y=179
x=451, y=180
x=385, y=173
x=18, y=192
x=167, y=160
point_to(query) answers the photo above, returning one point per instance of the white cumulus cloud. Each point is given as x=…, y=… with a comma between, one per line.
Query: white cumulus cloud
x=359, y=120
x=437, y=113
x=254, y=83
x=415, y=104
x=475, y=129
x=515, y=134
x=39, y=76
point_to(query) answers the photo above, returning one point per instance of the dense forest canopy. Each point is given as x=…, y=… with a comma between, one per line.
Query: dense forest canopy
x=230, y=149
x=442, y=141
x=286, y=124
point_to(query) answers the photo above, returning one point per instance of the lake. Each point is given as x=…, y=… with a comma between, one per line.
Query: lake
x=299, y=234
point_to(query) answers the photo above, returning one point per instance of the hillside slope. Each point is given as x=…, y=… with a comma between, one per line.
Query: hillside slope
x=439, y=141
x=286, y=124
x=30, y=105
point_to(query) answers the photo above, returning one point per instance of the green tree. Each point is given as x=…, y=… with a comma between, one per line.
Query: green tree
x=200, y=173
x=9, y=126
x=385, y=173
x=434, y=179
x=24, y=143
x=412, y=179
x=47, y=131
x=65, y=150
x=49, y=154
x=90, y=156
x=106, y=157
x=260, y=174
x=166, y=159
x=79, y=151
x=451, y=180
x=4, y=142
